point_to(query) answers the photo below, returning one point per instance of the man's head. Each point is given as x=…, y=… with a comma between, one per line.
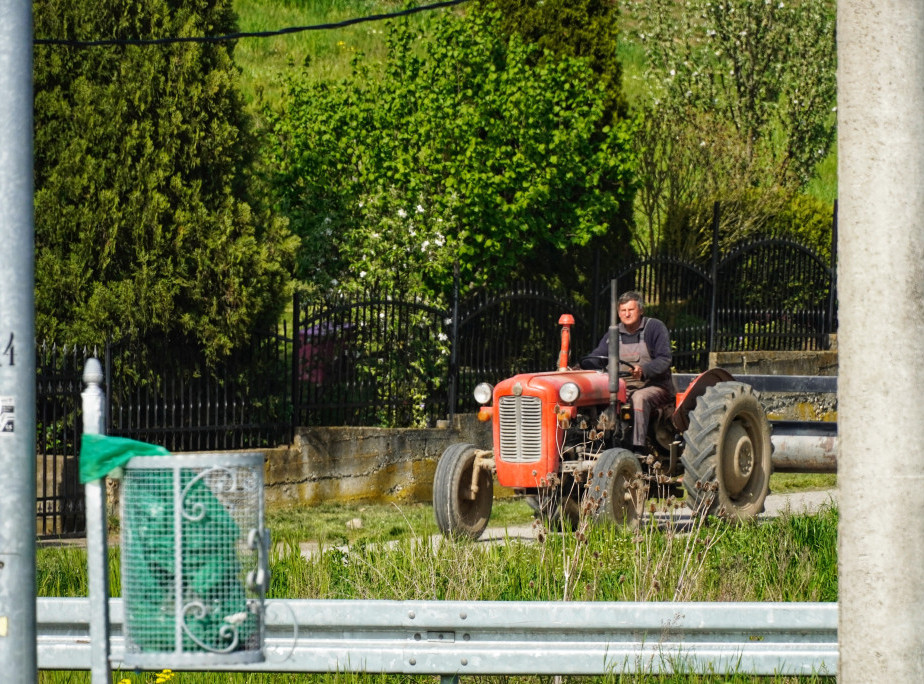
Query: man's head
x=630, y=306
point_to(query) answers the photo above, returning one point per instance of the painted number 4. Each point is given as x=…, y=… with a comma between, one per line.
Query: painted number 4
x=9, y=351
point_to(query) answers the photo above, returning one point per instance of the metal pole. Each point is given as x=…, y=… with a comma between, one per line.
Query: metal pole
x=714, y=275
x=296, y=370
x=17, y=347
x=880, y=113
x=454, y=351
x=832, y=293
x=94, y=423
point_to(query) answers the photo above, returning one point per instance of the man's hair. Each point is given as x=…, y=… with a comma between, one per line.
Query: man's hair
x=631, y=296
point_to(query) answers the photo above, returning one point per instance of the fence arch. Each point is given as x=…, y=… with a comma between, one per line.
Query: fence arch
x=515, y=331
x=773, y=294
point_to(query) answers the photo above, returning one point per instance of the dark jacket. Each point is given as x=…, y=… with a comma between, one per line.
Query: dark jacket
x=657, y=339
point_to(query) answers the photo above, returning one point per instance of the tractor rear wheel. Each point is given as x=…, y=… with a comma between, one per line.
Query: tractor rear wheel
x=461, y=510
x=616, y=489
x=727, y=455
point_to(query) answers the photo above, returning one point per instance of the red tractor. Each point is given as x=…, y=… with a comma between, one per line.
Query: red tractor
x=563, y=439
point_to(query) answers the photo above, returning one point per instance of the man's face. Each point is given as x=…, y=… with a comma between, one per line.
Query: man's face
x=630, y=315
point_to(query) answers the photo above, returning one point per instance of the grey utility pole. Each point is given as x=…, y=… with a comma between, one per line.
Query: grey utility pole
x=881, y=340
x=17, y=347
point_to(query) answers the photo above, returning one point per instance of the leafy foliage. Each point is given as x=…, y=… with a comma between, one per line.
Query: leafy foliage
x=741, y=109
x=143, y=220
x=462, y=147
x=588, y=29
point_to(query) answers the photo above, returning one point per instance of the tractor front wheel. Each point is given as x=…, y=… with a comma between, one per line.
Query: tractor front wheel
x=615, y=488
x=727, y=455
x=461, y=502
x=558, y=508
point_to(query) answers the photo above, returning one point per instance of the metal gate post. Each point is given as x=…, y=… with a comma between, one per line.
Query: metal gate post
x=94, y=423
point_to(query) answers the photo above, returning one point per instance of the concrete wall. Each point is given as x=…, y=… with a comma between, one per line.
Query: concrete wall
x=787, y=405
x=364, y=464
x=378, y=464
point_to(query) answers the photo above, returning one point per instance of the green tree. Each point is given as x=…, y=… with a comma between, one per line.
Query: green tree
x=143, y=220
x=587, y=29
x=462, y=146
x=741, y=110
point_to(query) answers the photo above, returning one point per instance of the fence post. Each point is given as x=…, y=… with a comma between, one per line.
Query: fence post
x=454, y=351
x=94, y=423
x=296, y=364
x=832, y=292
x=714, y=273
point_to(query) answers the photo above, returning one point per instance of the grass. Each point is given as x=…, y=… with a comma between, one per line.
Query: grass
x=169, y=677
x=332, y=524
x=789, y=558
x=323, y=54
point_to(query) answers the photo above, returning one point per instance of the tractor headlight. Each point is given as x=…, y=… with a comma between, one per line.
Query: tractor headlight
x=569, y=393
x=483, y=393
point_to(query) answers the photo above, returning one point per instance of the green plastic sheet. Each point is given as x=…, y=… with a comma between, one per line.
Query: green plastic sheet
x=101, y=454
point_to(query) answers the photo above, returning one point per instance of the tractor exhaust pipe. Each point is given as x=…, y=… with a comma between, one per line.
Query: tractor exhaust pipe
x=804, y=447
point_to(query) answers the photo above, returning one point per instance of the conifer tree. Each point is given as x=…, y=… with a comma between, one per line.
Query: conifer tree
x=142, y=215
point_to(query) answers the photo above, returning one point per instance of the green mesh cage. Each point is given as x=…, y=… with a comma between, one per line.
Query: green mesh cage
x=194, y=559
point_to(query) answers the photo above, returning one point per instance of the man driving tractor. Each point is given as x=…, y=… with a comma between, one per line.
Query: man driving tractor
x=645, y=345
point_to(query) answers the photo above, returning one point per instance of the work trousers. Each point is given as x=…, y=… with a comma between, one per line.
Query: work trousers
x=644, y=401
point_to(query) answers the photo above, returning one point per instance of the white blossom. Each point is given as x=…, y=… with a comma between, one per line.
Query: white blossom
x=402, y=213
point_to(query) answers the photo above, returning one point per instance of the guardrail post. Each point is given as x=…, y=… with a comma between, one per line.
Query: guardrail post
x=881, y=340
x=94, y=423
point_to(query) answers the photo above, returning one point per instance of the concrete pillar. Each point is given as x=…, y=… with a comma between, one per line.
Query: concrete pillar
x=17, y=348
x=881, y=339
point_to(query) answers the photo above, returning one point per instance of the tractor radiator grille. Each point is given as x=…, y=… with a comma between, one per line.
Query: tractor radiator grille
x=520, y=429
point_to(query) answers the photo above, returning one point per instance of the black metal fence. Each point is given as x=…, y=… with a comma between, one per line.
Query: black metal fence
x=381, y=358
x=59, y=502
x=168, y=393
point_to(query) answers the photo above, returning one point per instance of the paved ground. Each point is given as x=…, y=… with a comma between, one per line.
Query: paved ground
x=798, y=502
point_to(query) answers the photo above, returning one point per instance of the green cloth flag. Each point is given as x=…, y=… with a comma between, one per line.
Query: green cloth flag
x=101, y=454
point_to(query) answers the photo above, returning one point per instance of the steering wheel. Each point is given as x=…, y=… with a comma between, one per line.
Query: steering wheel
x=621, y=373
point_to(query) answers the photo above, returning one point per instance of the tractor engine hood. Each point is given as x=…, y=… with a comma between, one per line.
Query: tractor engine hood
x=593, y=386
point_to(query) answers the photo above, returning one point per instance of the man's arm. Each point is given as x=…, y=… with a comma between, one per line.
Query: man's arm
x=658, y=341
x=601, y=350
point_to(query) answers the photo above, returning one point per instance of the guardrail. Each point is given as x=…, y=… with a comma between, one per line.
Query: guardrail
x=451, y=638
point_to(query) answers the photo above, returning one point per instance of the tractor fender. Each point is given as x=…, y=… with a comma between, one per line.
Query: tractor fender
x=686, y=400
